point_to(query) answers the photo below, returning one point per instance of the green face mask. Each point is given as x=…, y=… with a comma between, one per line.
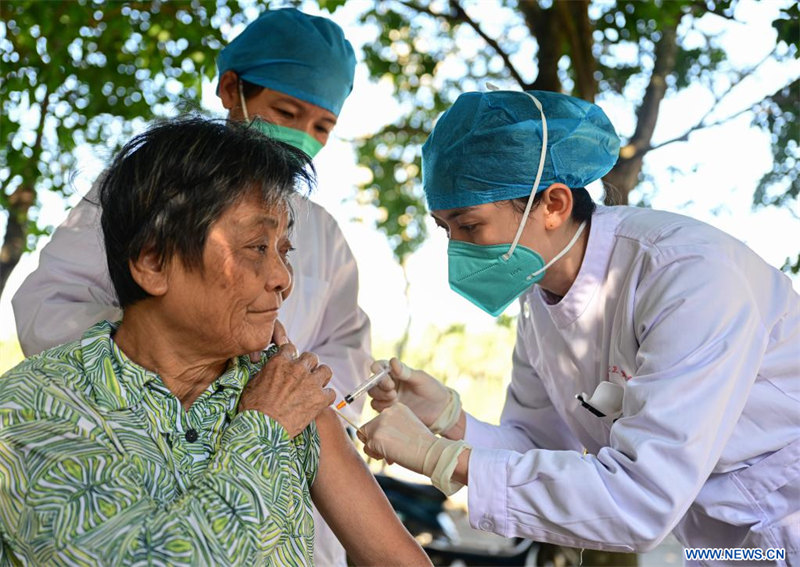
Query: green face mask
x=492, y=276
x=294, y=138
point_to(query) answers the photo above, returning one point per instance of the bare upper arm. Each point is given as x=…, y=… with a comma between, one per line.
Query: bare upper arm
x=349, y=498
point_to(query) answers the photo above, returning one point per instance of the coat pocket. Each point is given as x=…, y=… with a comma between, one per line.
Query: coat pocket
x=772, y=487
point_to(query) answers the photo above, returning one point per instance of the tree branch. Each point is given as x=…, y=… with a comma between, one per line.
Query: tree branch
x=20, y=202
x=701, y=123
x=462, y=17
x=685, y=136
x=625, y=174
x=404, y=128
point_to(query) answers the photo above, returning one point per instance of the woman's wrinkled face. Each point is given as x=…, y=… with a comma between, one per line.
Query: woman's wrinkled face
x=232, y=303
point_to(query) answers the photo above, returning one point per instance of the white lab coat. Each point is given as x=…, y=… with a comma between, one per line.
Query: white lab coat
x=705, y=338
x=71, y=290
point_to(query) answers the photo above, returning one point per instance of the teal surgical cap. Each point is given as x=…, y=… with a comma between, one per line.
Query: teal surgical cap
x=303, y=56
x=487, y=147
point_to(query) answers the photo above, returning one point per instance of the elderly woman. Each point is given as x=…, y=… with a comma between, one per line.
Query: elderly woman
x=158, y=440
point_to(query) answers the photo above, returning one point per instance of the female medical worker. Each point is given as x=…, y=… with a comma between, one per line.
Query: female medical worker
x=656, y=381
x=294, y=71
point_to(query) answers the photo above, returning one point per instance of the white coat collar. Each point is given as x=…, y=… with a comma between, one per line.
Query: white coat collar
x=592, y=273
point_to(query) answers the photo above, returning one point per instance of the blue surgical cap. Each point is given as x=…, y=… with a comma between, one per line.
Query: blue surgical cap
x=303, y=56
x=487, y=146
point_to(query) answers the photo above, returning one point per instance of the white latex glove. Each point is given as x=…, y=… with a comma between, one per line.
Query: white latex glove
x=428, y=398
x=398, y=436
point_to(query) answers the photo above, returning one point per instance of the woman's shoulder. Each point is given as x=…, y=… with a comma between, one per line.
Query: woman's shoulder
x=40, y=378
x=667, y=234
x=649, y=226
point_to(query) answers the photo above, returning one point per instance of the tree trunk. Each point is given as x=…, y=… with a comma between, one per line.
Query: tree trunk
x=544, y=26
x=16, y=231
x=621, y=180
x=574, y=19
x=20, y=202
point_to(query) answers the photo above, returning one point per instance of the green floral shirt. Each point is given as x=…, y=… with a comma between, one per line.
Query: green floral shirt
x=101, y=465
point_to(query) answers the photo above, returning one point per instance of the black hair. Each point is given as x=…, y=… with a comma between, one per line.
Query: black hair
x=249, y=90
x=167, y=187
x=582, y=205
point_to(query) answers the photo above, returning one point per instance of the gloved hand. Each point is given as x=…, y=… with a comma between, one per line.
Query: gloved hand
x=398, y=436
x=436, y=405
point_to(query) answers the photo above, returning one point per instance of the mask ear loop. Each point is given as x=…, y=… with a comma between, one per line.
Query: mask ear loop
x=538, y=104
x=557, y=257
x=241, y=100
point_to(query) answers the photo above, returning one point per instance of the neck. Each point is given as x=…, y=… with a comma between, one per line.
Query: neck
x=183, y=369
x=560, y=276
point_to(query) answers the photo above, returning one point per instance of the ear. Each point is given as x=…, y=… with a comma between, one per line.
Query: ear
x=556, y=205
x=148, y=272
x=229, y=94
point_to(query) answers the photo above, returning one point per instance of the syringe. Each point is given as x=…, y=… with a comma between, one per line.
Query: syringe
x=369, y=383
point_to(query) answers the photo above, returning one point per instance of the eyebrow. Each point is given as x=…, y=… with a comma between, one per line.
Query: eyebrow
x=297, y=104
x=456, y=213
x=270, y=221
x=257, y=220
x=288, y=100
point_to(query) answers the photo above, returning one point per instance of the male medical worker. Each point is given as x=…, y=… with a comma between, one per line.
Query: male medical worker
x=656, y=374
x=291, y=70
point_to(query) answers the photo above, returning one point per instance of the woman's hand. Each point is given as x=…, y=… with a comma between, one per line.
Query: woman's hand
x=279, y=338
x=290, y=389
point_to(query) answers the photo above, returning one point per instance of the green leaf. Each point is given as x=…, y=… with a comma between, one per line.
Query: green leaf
x=788, y=27
x=102, y=64
x=330, y=5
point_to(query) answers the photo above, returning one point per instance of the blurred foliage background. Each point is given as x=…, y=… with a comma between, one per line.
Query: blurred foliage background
x=640, y=51
x=467, y=362
x=84, y=72
x=90, y=72
x=80, y=73
x=87, y=72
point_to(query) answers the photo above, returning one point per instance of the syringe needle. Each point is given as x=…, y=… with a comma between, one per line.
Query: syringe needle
x=364, y=387
x=340, y=414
